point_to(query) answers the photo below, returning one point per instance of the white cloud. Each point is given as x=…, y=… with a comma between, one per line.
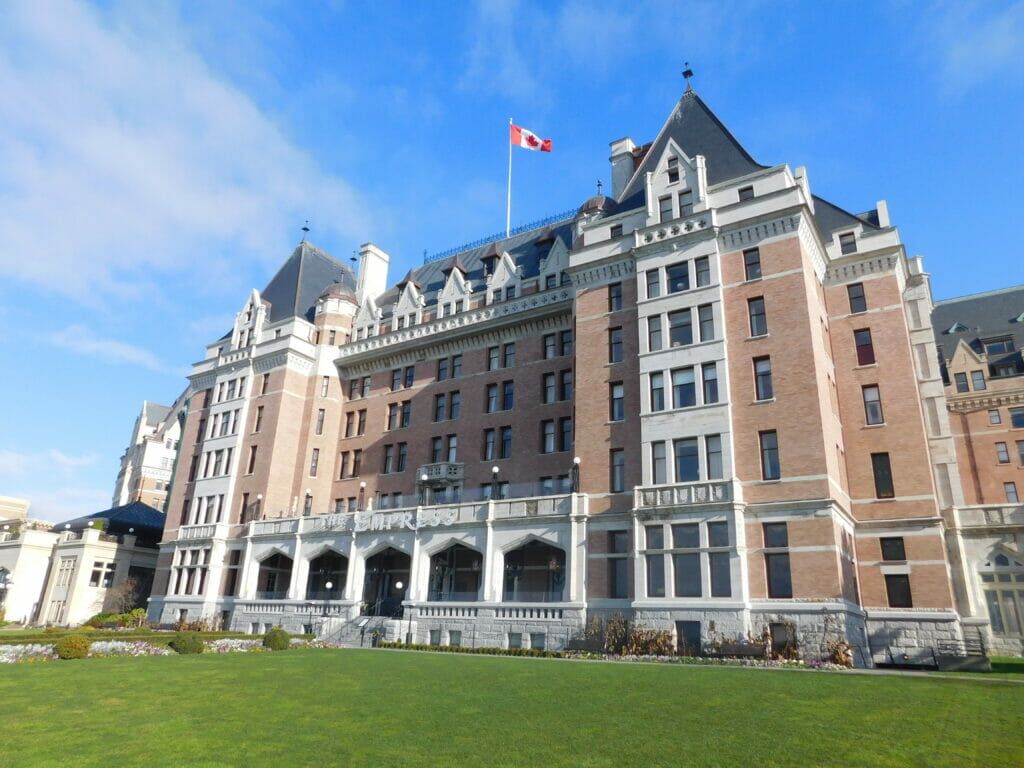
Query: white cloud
x=81, y=340
x=13, y=463
x=976, y=43
x=56, y=505
x=66, y=460
x=124, y=158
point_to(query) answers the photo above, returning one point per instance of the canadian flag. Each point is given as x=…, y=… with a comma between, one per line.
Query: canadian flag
x=529, y=140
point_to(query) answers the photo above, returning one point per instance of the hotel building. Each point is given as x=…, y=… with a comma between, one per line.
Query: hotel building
x=709, y=401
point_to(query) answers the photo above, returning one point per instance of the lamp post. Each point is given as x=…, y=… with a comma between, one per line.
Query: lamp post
x=423, y=489
x=362, y=495
x=575, y=481
x=327, y=586
x=494, y=482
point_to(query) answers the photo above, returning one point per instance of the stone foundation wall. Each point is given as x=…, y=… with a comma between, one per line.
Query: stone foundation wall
x=490, y=627
x=905, y=638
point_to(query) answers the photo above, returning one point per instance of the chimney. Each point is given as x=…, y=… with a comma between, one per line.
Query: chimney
x=622, y=165
x=372, y=279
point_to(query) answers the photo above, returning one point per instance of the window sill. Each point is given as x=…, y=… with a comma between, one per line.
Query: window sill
x=866, y=365
x=759, y=336
x=873, y=426
x=763, y=402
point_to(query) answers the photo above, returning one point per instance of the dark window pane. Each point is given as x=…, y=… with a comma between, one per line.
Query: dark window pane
x=897, y=589
x=655, y=575
x=721, y=577
x=686, y=536
x=892, y=548
x=780, y=584
x=687, y=568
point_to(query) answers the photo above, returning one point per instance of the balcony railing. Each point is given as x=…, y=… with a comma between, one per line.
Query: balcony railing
x=273, y=594
x=992, y=515
x=683, y=494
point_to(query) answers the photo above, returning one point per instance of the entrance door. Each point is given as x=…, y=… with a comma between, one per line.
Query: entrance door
x=387, y=582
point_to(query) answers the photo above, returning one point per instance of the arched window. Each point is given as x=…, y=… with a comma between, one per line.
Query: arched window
x=455, y=574
x=534, y=573
x=1002, y=579
x=387, y=579
x=275, y=577
x=330, y=568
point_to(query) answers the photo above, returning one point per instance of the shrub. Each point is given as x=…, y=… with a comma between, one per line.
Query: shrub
x=73, y=647
x=277, y=640
x=649, y=642
x=187, y=642
x=54, y=630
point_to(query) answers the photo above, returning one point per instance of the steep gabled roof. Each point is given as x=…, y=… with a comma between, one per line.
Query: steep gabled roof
x=830, y=217
x=697, y=131
x=989, y=315
x=142, y=517
x=154, y=414
x=300, y=281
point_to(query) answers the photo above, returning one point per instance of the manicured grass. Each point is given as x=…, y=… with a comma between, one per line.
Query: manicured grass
x=384, y=708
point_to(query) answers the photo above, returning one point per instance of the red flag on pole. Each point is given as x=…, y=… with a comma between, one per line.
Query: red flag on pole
x=529, y=140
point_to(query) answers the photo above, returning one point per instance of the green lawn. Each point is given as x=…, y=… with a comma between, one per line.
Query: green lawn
x=389, y=708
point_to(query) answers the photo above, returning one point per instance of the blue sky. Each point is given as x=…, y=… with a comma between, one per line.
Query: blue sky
x=158, y=159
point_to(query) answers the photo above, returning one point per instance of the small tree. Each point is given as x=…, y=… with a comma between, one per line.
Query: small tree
x=277, y=640
x=123, y=597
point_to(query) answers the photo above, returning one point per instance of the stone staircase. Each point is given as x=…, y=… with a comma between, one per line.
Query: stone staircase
x=361, y=631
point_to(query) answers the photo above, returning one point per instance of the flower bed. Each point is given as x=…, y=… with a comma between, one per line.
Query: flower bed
x=16, y=654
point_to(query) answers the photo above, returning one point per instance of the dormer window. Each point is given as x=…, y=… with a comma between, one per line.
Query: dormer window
x=847, y=243
x=550, y=281
x=998, y=346
x=665, y=209
x=615, y=231
x=248, y=314
x=686, y=202
x=489, y=265
x=746, y=193
x=673, y=170
x=401, y=323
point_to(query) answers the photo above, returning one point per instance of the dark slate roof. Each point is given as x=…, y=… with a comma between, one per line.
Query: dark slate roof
x=135, y=515
x=523, y=249
x=301, y=280
x=155, y=413
x=830, y=217
x=697, y=131
x=986, y=315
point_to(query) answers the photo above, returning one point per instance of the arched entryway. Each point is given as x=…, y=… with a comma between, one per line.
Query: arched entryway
x=386, y=584
x=455, y=574
x=275, y=577
x=329, y=568
x=534, y=573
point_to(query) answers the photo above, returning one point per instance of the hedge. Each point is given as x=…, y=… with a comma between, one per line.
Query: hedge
x=535, y=652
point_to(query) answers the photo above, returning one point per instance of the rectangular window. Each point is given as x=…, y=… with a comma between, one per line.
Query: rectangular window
x=687, y=573
x=440, y=410
x=713, y=456
x=721, y=574
x=960, y=379
x=367, y=384
x=507, y=395
x=687, y=460
x=678, y=276
x=491, y=400
x=978, y=379
x=508, y=355
x=616, y=401
x=490, y=444
x=615, y=231
x=872, y=404
x=763, y=378
x=389, y=459
x=515, y=640
x=758, y=319
x=566, y=385
x=259, y=418
x=1011, y=493
x=456, y=366
x=357, y=463
x=550, y=346
x=615, y=345
x=848, y=243
x=865, y=349
x=453, y=448
x=343, y=471
x=686, y=536
x=855, y=293
x=617, y=467
x=506, y=443
x=265, y=384
x=653, y=283
x=654, y=333
x=314, y=462
x=615, y=297
x=325, y=385
x=403, y=454
x=746, y=193
x=361, y=427
x=565, y=342
x=493, y=357
x=684, y=391
x=897, y=590
x=565, y=429
x=702, y=268
x=665, y=209
x=436, y=450
x=1002, y=453
x=752, y=264
x=994, y=417
x=1020, y=452
x=892, y=548
x=706, y=320
x=454, y=404
x=320, y=414
x=709, y=372
x=882, y=471
x=659, y=468
x=548, y=391
x=396, y=379
x=657, y=391
x=655, y=575
x=1017, y=417
x=673, y=170
x=252, y=460
x=393, y=416
x=442, y=369
x=769, y=445
x=680, y=328
x=685, y=202
x=547, y=436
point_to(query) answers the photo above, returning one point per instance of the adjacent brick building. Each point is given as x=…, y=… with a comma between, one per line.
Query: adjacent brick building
x=709, y=401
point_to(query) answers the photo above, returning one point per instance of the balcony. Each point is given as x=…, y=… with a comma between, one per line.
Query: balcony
x=991, y=516
x=443, y=470
x=683, y=494
x=206, y=531
x=274, y=527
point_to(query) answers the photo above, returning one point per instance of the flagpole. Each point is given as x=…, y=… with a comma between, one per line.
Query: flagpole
x=508, y=200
